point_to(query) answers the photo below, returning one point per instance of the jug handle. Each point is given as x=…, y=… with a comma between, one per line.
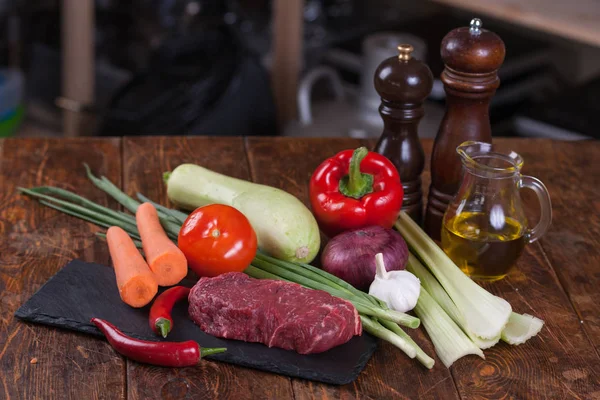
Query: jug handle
x=540, y=190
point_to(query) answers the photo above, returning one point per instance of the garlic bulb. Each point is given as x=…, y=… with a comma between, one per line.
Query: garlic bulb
x=398, y=289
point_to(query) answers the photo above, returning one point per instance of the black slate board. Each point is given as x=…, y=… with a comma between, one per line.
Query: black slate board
x=83, y=290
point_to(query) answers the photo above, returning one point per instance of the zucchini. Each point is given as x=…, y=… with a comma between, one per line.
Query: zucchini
x=284, y=227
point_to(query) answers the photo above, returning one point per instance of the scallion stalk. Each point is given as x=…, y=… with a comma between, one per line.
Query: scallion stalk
x=176, y=216
x=376, y=329
x=423, y=358
x=485, y=315
x=106, y=218
x=128, y=202
x=361, y=305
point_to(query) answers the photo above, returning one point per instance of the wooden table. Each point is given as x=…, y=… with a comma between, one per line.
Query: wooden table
x=557, y=279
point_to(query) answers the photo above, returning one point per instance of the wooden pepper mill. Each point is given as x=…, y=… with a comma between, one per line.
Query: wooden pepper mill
x=472, y=57
x=403, y=84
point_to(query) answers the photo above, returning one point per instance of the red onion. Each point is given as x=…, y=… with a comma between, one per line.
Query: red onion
x=351, y=255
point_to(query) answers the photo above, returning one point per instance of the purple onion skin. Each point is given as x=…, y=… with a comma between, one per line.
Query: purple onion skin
x=351, y=255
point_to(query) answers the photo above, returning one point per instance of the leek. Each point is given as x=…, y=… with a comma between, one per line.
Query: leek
x=520, y=328
x=449, y=340
x=436, y=291
x=484, y=314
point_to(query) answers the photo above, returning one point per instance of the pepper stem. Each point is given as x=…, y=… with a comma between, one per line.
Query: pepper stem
x=166, y=176
x=356, y=184
x=208, y=351
x=164, y=326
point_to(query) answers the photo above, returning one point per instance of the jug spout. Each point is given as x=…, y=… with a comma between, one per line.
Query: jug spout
x=484, y=159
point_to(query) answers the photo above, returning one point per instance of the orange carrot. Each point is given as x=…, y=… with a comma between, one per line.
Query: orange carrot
x=136, y=283
x=164, y=257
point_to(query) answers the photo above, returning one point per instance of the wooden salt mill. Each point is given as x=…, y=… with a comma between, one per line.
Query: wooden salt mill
x=403, y=84
x=472, y=57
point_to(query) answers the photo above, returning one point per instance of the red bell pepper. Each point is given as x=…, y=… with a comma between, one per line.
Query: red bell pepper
x=354, y=189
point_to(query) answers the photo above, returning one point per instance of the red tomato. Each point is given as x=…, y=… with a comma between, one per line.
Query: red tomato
x=217, y=239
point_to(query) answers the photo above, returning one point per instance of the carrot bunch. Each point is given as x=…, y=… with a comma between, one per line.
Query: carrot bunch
x=165, y=264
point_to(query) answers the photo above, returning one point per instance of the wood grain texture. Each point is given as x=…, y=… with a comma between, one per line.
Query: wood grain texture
x=572, y=245
x=555, y=279
x=35, y=242
x=288, y=164
x=145, y=159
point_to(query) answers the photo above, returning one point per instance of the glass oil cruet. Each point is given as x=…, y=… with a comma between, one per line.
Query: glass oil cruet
x=484, y=229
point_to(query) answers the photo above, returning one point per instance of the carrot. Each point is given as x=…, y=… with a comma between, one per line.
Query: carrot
x=136, y=283
x=164, y=257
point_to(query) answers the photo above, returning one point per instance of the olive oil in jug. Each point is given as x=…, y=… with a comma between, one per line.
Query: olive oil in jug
x=480, y=250
x=484, y=229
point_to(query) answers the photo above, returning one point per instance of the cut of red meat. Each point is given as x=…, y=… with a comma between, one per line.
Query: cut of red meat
x=276, y=313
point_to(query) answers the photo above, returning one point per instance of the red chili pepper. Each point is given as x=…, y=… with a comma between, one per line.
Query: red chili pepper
x=355, y=189
x=164, y=354
x=160, y=312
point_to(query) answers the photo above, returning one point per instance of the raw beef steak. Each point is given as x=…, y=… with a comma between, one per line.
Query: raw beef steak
x=276, y=313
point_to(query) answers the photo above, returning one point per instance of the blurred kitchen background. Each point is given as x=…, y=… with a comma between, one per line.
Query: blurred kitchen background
x=279, y=67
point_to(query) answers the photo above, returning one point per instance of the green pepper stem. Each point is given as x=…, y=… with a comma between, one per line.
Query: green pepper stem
x=164, y=326
x=356, y=184
x=208, y=351
x=166, y=176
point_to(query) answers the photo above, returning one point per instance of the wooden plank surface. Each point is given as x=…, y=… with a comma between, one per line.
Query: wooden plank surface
x=556, y=279
x=35, y=242
x=577, y=20
x=145, y=159
x=572, y=246
x=288, y=164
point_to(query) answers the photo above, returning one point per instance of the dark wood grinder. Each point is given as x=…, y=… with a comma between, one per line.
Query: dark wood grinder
x=403, y=84
x=472, y=57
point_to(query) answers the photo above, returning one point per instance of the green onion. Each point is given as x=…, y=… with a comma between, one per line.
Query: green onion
x=449, y=340
x=106, y=218
x=320, y=275
x=485, y=315
x=361, y=305
x=129, y=203
x=423, y=358
x=378, y=330
x=176, y=216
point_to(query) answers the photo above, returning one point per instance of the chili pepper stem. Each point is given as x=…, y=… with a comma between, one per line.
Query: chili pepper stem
x=208, y=351
x=164, y=326
x=356, y=184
